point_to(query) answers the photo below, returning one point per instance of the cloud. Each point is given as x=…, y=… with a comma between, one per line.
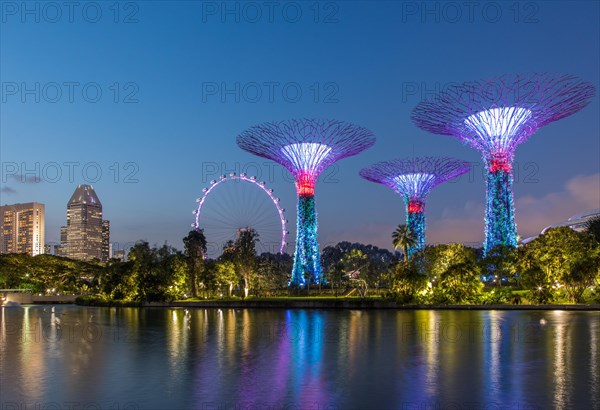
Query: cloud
x=581, y=193
x=8, y=190
x=25, y=179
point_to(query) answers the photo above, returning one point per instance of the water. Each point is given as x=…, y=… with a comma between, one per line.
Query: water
x=70, y=357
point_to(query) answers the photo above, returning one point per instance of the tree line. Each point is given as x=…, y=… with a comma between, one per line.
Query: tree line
x=561, y=265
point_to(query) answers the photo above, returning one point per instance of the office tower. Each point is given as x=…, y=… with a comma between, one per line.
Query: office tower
x=106, y=248
x=22, y=228
x=84, y=225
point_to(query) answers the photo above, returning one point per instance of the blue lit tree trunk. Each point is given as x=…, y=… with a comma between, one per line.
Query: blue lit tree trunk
x=500, y=227
x=415, y=221
x=307, y=261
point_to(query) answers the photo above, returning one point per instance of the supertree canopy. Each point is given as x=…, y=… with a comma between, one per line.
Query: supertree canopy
x=306, y=147
x=414, y=178
x=494, y=116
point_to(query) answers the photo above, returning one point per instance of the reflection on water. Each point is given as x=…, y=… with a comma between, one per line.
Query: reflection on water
x=69, y=357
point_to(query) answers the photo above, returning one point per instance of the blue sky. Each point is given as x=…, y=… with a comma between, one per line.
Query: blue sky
x=163, y=68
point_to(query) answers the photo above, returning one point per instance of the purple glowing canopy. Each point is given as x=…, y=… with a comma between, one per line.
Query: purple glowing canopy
x=305, y=146
x=414, y=178
x=496, y=115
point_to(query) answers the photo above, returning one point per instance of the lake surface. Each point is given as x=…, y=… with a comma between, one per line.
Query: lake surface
x=71, y=357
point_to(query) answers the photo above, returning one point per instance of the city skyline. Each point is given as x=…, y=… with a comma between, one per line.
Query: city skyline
x=151, y=158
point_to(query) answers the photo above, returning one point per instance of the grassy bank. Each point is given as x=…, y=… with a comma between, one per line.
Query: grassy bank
x=320, y=302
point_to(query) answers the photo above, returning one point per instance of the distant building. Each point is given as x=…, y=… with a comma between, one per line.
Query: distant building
x=106, y=247
x=84, y=230
x=22, y=228
x=120, y=254
x=577, y=222
x=61, y=250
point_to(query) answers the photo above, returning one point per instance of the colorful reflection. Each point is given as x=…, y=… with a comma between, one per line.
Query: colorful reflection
x=228, y=358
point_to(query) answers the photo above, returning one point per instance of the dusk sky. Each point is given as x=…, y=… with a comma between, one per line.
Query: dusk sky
x=165, y=119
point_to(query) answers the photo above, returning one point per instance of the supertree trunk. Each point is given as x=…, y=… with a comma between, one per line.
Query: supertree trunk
x=500, y=227
x=415, y=221
x=307, y=263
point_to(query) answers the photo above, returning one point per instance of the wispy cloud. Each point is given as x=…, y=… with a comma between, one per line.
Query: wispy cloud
x=26, y=179
x=8, y=190
x=580, y=193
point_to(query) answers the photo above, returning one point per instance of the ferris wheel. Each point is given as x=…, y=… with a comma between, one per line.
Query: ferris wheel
x=234, y=203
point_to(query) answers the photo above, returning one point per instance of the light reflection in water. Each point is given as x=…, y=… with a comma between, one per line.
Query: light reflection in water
x=595, y=361
x=227, y=359
x=562, y=353
x=432, y=355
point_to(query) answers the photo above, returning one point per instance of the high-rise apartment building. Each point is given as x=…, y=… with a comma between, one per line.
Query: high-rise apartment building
x=22, y=228
x=84, y=230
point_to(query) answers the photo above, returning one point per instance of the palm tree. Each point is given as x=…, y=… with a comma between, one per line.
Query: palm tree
x=404, y=238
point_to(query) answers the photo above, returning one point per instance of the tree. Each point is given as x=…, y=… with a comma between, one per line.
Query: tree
x=226, y=275
x=274, y=270
x=435, y=260
x=564, y=256
x=500, y=263
x=593, y=227
x=459, y=283
x=408, y=282
x=377, y=267
x=538, y=282
x=403, y=238
x=195, y=249
x=117, y=282
x=245, y=256
x=580, y=276
x=145, y=281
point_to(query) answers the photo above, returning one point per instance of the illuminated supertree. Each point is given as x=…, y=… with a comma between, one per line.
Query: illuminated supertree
x=414, y=178
x=494, y=116
x=306, y=147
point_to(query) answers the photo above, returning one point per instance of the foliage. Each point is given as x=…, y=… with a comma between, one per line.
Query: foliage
x=226, y=276
x=567, y=258
x=403, y=238
x=377, y=268
x=592, y=227
x=195, y=249
x=435, y=260
x=158, y=274
x=460, y=283
x=500, y=264
x=560, y=265
x=498, y=296
x=410, y=285
x=47, y=273
x=244, y=257
x=538, y=283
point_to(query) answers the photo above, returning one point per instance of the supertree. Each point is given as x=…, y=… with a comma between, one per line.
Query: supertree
x=494, y=116
x=414, y=178
x=306, y=147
